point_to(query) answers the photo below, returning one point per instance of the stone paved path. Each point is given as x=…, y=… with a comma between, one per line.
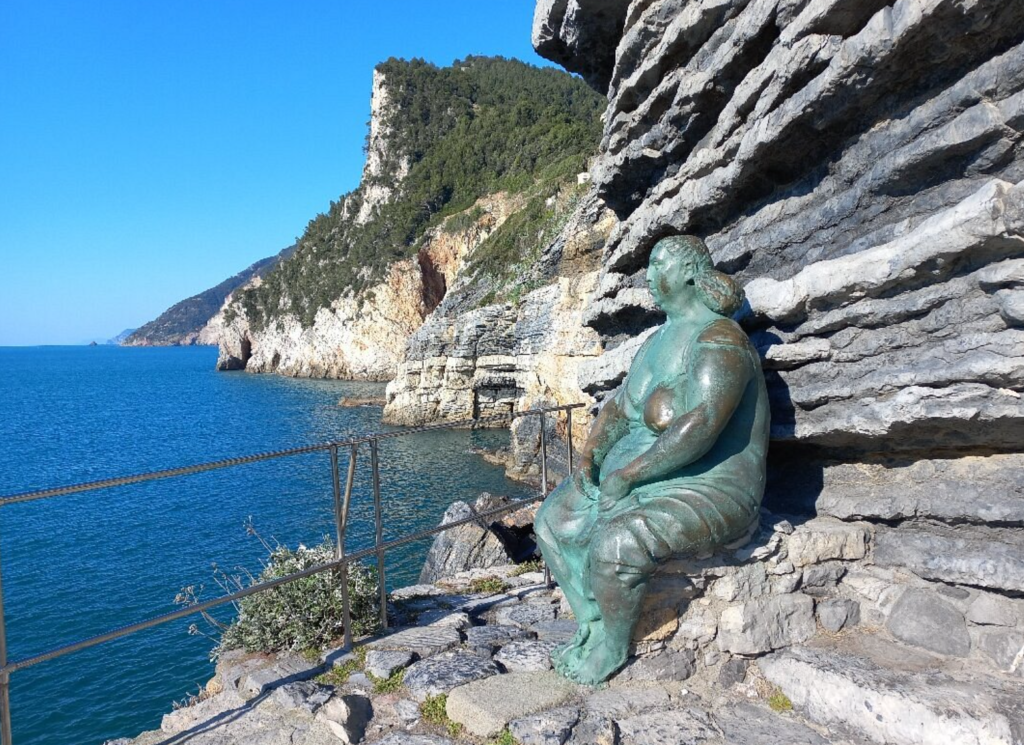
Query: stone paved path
x=488, y=654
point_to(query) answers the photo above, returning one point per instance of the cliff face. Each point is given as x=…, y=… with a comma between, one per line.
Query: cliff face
x=469, y=361
x=362, y=335
x=452, y=153
x=858, y=165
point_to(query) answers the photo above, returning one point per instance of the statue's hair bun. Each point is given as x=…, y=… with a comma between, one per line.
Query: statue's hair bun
x=717, y=291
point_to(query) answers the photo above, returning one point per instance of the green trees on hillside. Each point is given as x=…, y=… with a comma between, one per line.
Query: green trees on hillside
x=480, y=126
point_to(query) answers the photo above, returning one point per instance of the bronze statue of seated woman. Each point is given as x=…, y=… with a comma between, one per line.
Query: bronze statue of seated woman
x=674, y=464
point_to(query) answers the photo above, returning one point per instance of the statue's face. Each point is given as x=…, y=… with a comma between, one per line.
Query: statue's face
x=668, y=274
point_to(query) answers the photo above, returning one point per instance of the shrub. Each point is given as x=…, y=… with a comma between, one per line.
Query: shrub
x=488, y=584
x=779, y=702
x=305, y=613
x=434, y=711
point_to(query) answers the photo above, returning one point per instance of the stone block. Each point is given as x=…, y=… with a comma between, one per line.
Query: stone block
x=405, y=738
x=733, y=671
x=1005, y=647
x=619, y=702
x=485, y=707
x=282, y=671
x=346, y=716
x=560, y=630
x=422, y=640
x=384, y=663
x=765, y=624
x=745, y=583
x=487, y=639
x=923, y=619
x=671, y=727
x=964, y=554
x=886, y=700
x=994, y=610
x=663, y=666
x=551, y=727
x=524, y=615
x=697, y=628
x=747, y=724
x=824, y=539
x=442, y=617
x=525, y=655
x=443, y=672
x=835, y=614
x=595, y=730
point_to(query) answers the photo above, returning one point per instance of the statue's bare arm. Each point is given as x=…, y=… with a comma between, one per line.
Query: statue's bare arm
x=609, y=427
x=718, y=379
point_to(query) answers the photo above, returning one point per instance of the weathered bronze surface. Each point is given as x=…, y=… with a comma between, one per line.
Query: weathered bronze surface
x=674, y=464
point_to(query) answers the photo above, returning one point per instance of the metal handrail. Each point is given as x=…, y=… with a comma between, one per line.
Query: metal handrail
x=341, y=560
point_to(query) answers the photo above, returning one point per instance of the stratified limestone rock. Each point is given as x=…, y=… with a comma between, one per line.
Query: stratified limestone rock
x=469, y=546
x=858, y=167
x=443, y=672
x=923, y=619
x=968, y=489
x=969, y=555
x=889, y=697
x=470, y=361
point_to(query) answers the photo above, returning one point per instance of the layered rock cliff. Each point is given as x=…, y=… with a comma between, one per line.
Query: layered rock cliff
x=452, y=153
x=858, y=165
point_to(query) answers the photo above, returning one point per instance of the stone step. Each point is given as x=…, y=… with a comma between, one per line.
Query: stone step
x=887, y=693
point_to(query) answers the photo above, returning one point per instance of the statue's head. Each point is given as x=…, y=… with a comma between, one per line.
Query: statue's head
x=681, y=264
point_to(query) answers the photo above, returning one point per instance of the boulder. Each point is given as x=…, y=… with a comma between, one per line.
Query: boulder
x=474, y=545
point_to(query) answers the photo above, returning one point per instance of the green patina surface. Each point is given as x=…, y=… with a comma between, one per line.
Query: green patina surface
x=674, y=464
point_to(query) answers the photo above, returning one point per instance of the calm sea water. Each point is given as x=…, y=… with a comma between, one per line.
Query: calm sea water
x=82, y=564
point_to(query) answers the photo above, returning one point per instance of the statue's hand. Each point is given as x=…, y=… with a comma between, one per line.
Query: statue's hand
x=614, y=487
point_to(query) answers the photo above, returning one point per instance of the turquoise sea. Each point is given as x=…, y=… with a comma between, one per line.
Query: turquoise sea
x=79, y=565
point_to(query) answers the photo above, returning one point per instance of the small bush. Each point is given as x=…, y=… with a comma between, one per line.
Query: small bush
x=505, y=738
x=779, y=702
x=531, y=565
x=389, y=684
x=434, y=712
x=338, y=675
x=488, y=585
x=305, y=614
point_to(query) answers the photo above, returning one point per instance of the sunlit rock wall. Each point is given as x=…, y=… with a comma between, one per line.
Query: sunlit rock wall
x=858, y=166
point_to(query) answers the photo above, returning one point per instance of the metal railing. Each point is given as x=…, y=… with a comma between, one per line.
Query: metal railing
x=342, y=499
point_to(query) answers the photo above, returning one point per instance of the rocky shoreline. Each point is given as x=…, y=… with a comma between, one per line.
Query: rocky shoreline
x=802, y=634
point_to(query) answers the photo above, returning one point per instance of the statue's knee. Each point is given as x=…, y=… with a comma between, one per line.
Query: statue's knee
x=617, y=550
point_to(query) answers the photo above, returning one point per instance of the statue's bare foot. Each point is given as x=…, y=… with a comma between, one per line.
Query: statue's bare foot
x=563, y=657
x=595, y=662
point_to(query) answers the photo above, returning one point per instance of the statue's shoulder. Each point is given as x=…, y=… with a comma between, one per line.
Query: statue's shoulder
x=723, y=332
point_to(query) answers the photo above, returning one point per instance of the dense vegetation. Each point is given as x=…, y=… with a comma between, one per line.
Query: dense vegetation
x=305, y=614
x=480, y=126
x=189, y=316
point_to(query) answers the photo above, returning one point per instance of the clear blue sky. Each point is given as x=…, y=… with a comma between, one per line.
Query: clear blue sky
x=150, y=150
